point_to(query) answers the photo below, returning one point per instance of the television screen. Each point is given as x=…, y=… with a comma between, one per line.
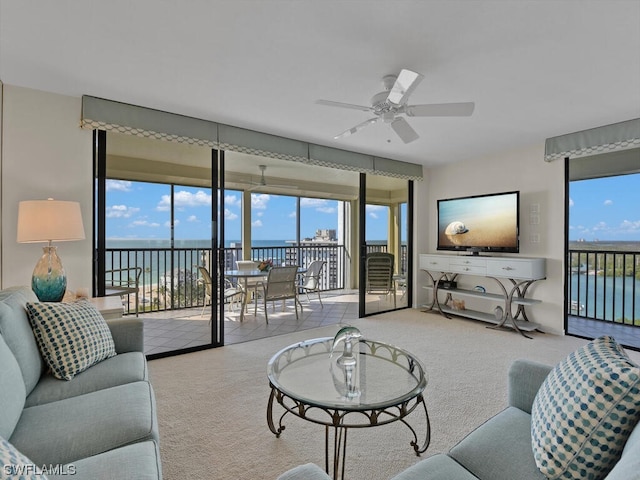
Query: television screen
x=481, y=223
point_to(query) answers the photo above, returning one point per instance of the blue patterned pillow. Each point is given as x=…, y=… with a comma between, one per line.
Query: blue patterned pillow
x=584, y=412
x=15, y=465
x=71, y=336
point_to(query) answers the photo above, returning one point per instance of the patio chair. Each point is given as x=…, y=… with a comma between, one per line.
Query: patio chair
x=311, y=279
x=281, y=284
x=230, y=293
x=121, y=283
x=380, y=275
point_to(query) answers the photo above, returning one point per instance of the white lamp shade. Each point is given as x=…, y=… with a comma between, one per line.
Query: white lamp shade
x=49, y=220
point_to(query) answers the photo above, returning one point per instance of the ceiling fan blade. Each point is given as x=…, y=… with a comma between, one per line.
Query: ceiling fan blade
x=331, y=103
x=357, y=128
x=404, y=130
x=464, y=109
x=404, y=85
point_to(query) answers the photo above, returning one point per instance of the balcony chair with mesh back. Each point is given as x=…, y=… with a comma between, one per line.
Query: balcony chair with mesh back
x=281, y=284
x=311, y=279
x=380, y=275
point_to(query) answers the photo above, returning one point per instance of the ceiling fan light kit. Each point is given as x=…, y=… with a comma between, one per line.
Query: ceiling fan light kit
x=392, y=102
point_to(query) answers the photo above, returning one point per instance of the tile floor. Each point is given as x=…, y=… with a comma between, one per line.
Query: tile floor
x=174, y=330
x=178, y=329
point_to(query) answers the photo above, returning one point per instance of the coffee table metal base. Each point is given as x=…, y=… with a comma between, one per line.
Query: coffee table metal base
x=339, y=421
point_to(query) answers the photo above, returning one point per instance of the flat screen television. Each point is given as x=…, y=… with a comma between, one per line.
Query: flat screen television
x=480, y=223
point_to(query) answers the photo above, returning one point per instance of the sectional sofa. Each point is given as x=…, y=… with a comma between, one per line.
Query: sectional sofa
x=576, y=420
x=91, y=415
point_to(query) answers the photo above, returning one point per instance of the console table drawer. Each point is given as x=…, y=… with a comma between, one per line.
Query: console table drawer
x=468, y=269
x=436, y=263
x=532, y=269
x=468, y=261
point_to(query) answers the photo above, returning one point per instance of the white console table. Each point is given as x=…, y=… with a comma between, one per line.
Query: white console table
x=512, y=275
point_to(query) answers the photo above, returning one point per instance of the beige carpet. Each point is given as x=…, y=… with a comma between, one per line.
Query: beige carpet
x=212, y=405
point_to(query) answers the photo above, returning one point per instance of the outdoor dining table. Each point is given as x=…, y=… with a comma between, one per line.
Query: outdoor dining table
x=244, y=276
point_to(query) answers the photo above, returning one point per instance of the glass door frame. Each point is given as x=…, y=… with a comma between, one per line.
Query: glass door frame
x=362, y=254
x=217, y=237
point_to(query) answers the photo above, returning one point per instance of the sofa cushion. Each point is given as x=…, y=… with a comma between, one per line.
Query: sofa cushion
x=438, y=467
x=139, y=460
x=119, y=370
x=308, y=471
x=499, y=449
x=628, y=466
x=12, y=391
x=16, y=465
x=16, y=329
x=71, y=336
x=90, y=424
x=585, y=410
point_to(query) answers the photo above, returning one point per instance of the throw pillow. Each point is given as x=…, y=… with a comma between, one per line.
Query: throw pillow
x=15, y=465
x=71, y=336
x=584, y=412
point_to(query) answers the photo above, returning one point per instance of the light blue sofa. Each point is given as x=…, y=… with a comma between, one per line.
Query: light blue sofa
x=499, y=449
x=100, y=425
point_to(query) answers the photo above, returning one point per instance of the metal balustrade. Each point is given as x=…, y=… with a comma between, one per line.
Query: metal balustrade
x=605, y=285
x=169, y=279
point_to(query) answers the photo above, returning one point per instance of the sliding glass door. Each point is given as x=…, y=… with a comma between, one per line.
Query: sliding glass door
x=385, y=244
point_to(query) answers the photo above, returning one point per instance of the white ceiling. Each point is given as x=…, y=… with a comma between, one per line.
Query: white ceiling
x=535, y=69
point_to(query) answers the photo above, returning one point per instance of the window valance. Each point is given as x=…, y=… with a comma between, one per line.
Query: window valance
x=609, y=138
x=102, y=114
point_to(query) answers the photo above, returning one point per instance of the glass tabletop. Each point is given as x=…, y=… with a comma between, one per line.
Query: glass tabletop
x=386, y=375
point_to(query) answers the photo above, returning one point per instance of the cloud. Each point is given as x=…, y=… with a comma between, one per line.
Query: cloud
x=321, y=205
x=292, y=214
x=630, y=227
x=144, y=223
x=326, y=210
x=118, y=185
x=259, y=201
x=229, y=215
x=193, y=219
x=570, y=202
x=184, y=199
x=374, y=210
x=121, y=211
x=608, y=203
x=232, y=200
x=257, y=223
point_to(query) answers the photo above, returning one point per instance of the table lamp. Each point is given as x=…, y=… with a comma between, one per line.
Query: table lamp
x=46, y=221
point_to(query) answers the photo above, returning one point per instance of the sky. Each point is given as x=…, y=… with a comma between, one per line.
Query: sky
x=605, y=209
x=138, y=210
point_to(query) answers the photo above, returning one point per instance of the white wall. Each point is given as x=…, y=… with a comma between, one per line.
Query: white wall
x=540, y=183
x=44, y=154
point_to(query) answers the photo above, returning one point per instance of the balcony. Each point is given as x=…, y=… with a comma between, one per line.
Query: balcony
x=604, y=294
x=169, y=279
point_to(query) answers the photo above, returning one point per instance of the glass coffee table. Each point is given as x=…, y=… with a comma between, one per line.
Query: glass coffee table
x=304, y=382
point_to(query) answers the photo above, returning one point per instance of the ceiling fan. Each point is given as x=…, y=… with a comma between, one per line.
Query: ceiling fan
x=262, y=183
x=387, y=106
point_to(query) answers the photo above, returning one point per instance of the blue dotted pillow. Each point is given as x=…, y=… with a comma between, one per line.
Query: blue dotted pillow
x=71, y=336
x=584, y=412
x=15, y=465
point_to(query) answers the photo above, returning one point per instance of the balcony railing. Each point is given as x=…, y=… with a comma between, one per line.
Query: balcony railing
x=605, y=285
x=169, y=279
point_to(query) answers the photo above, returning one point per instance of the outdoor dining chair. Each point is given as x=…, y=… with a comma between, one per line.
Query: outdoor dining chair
x=311, y=279
x=281, y=284
x=230, y=294
x=380, y=274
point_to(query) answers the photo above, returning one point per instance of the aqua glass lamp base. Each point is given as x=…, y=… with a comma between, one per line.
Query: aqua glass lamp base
x=49, y=280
